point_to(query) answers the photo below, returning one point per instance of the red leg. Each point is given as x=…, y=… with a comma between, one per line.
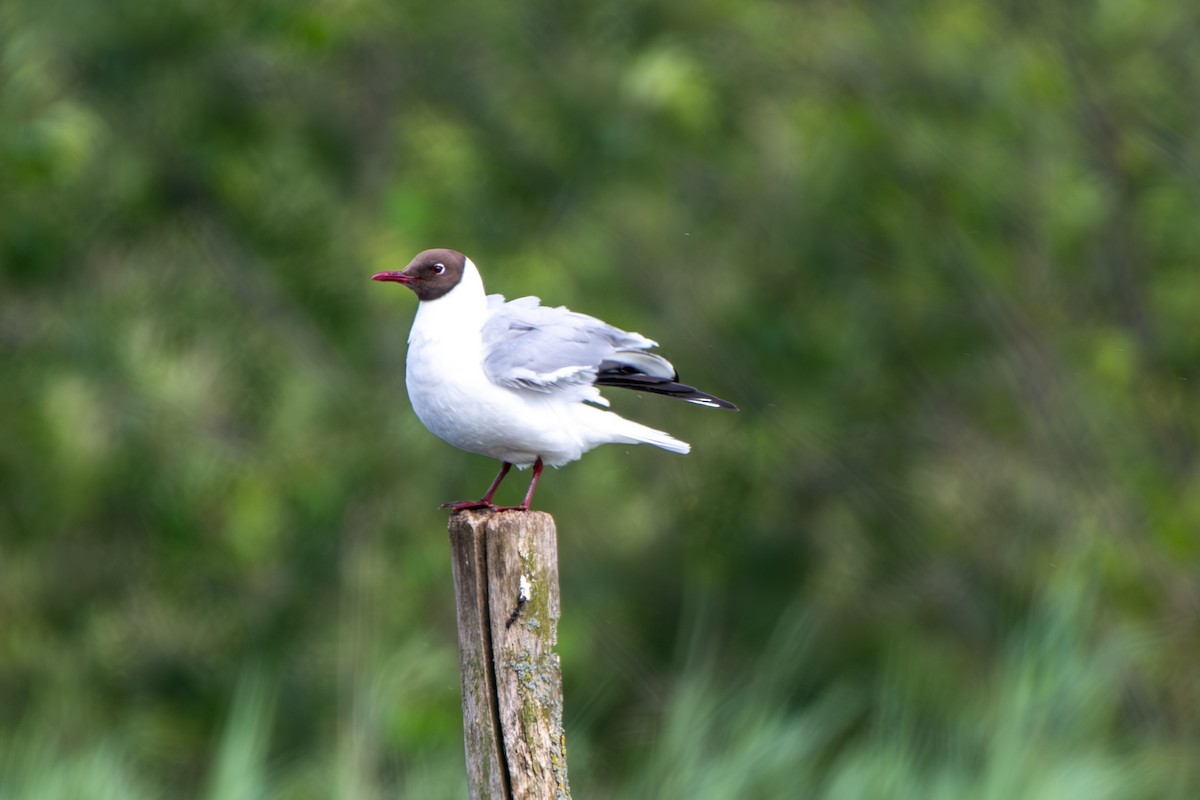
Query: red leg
x=486, y=500
x=537, y=473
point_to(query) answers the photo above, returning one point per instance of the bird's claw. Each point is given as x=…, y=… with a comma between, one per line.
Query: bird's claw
x=471, y=505
x=467, y=505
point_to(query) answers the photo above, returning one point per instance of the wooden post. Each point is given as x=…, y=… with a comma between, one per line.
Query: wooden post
x=506, y=588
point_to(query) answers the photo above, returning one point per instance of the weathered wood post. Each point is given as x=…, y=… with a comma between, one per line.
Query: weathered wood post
x=506, y=589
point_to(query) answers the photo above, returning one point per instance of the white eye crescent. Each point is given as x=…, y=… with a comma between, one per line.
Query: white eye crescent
x=438, y=269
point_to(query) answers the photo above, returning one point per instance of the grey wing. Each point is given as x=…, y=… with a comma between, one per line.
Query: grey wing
x=529, y=346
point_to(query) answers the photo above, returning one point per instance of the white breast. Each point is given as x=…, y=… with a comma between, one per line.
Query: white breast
x=454, y=399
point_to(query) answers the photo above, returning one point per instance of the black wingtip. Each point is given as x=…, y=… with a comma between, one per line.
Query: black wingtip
x=709, y=401
x=652, y=385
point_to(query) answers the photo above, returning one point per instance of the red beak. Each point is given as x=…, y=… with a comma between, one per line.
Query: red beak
x=395, y=277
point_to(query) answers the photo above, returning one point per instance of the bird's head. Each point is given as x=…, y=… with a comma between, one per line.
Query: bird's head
x=430, y=275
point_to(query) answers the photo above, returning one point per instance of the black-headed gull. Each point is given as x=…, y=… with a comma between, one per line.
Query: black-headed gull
x=518, y=381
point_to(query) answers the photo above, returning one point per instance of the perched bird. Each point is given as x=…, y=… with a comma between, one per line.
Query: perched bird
x=518, y=381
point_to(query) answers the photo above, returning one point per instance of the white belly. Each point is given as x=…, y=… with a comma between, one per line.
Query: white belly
x=461, y=406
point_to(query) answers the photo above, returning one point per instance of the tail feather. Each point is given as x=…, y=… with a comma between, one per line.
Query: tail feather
x=666, y=441
x=617, y=428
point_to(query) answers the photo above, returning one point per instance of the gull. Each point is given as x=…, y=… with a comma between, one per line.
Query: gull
x=519, y=381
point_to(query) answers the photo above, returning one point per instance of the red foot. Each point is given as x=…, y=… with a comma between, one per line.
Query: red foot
x=469, y=505
x=486, y=500
x=466, y=505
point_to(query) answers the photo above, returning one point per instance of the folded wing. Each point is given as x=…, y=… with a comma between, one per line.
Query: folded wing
x=536, y=348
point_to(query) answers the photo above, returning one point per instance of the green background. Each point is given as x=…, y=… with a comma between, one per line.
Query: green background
x=943, y=253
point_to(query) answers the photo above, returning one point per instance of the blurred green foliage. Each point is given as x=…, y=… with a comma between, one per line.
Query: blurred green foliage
x=942, y=253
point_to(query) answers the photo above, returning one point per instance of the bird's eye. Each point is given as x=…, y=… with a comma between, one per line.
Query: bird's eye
x=438, y=269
